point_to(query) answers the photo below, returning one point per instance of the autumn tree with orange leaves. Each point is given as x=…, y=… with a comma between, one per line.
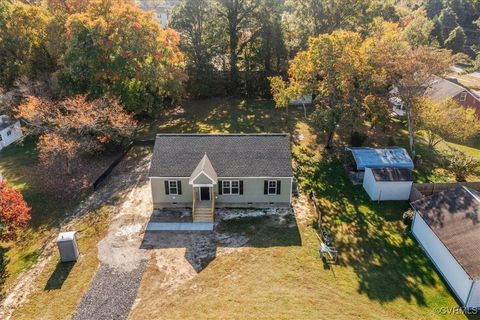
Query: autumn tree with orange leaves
x=14, y=212
x=75, y=125
x=114, y=47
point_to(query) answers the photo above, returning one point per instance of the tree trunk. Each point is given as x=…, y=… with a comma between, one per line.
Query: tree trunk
x=330, y=139
x=411, y=132
x=69, y=169
x=304, y=110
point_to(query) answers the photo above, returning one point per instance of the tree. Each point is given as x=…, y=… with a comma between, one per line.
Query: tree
x=335, y=69
x=114, y=47
x=238, y=19
x=460, y=164
x=456, y=40
x=22, y=42
x=14, y=212
x=307, y=18
x=377, y=109
x=200, y=41
x=74, y=126
x=448, y=20
x=447, y=120
x=418, y=28
x=433, y=8
x=410, y=70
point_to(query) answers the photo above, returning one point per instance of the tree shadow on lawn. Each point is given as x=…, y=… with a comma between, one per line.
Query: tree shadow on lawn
x=201, y=247
x=369, y=237
x=222, y=115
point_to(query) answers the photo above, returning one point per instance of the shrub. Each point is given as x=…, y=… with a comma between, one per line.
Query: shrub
x=357, y=139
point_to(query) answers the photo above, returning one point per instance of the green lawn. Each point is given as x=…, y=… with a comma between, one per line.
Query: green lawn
x=382, y=273
x=17, y=164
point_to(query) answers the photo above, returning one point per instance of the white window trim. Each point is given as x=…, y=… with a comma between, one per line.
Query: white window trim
x=230, y=188
x=170, y=187
x=268, y=187
x=463, y=96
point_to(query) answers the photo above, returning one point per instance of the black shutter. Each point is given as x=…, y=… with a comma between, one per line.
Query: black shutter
x=220, y=187
x=265, y=187
x=167, y=189
x=279, y=186
x=241, y=187
x=179, y=187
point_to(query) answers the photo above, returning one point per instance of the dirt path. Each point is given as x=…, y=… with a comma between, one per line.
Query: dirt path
x=115, y=185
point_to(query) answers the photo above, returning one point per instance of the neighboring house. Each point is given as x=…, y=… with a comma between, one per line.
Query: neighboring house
x=440, y=91
x=161, y=8
x=388, y=183
x=447, y=226
x=10, y=131
x=207, y=171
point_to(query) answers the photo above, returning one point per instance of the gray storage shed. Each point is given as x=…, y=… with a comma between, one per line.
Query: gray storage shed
x=67, y=246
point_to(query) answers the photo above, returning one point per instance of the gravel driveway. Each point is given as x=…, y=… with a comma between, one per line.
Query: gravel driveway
x=114, y=288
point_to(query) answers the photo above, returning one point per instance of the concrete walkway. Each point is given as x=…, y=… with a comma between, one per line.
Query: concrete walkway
x=179, y=226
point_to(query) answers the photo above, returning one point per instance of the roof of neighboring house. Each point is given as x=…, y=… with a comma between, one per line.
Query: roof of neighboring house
x=204, y=166
x=392, y=174
x=392, y=157
x=5, y=122
x=454, y=217
x=231, y=155
x=444, y=89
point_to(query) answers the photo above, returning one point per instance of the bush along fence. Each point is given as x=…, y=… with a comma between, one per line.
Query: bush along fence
x=111, y=167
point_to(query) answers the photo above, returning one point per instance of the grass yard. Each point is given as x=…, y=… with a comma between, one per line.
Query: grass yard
x=382, y=272
x=16, y=164
x=61, y=286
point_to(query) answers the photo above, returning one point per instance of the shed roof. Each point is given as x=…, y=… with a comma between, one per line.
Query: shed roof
x=392, y=174
x=231, y=155
x=6, y=121
x=454, y=217
x=392, y=157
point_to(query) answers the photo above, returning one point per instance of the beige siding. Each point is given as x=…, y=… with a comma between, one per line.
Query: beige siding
x=202, y=179
x=253, y=194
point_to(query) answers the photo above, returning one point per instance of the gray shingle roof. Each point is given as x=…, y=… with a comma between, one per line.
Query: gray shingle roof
x=392, y=174
x=443, y=89
x=6, y=122
x=206, y=167
x=231, y=155
x=454, y=216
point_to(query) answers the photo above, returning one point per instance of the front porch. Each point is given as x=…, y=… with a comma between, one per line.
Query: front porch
x=203, y=204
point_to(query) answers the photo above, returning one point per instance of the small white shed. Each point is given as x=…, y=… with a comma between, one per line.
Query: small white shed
x=388, y=183
x=67, y=246
x=447, y=227
x=10, y=131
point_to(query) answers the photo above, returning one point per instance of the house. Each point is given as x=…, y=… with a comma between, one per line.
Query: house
x=162, y=9
x=440, y=90
x=447, y=226
x=10, y=131
x=208, y=171
x=383, y=184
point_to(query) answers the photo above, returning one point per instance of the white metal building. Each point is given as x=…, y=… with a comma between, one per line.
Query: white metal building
x=384, y=184
x=10, y=131
x=447, y=226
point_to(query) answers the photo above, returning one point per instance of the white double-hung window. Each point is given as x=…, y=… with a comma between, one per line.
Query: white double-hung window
x=172, y=187
x=231, y=187
x=272, y=187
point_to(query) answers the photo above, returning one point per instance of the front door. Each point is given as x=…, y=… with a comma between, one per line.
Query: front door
x=204, y=193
